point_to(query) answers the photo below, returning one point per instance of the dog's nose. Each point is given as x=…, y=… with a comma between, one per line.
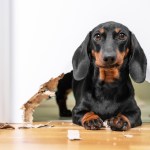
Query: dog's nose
x=109, y=59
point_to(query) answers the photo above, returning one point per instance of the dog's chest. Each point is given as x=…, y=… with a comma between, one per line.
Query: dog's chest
x=105, y=108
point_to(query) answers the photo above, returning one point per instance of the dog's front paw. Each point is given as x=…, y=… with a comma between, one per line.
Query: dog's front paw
x=119, y=123
x=91, y=121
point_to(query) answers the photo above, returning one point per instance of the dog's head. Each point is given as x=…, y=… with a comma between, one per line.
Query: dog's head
x=109, y=44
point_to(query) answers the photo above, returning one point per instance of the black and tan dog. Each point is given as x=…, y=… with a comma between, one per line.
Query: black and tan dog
x=101, y=82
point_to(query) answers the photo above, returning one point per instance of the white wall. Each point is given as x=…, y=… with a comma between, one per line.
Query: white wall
x=5, y=81
x=45, y=34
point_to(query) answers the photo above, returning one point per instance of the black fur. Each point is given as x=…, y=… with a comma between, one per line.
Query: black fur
x=92, y=94
x=63, y=89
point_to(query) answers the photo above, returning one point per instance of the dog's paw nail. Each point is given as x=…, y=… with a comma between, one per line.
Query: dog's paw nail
x=125, y=126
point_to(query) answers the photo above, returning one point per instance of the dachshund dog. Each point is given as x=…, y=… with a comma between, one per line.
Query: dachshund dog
x=101, y=84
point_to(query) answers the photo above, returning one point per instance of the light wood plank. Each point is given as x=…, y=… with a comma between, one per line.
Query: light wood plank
x=55, y=138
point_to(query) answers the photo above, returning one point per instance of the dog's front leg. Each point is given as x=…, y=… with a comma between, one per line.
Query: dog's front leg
x=129, y=117
x=89, y=120
x=119, y=123
x=125, y=122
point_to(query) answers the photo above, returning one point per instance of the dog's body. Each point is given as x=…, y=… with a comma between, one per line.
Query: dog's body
x=101, y=82
x=63, y=89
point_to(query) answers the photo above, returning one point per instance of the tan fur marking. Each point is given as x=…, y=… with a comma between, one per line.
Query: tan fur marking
x=101, y=30
x=125, y=119
x=97, y=56
x=109, y=74
x=121, y=56
x=117, y=30
x=89, y=116
x=102, y=74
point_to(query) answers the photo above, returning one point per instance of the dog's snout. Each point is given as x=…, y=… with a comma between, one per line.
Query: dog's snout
x=109, y=59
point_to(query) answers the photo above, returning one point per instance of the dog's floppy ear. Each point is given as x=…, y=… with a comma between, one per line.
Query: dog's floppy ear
x=81, y=61
x=138, y=62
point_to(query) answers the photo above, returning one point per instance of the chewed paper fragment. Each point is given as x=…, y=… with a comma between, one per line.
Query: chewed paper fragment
x=73, y=135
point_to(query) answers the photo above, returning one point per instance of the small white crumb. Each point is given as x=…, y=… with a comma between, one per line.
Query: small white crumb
x=105, y=124
x=73, y=135
x=128, y=135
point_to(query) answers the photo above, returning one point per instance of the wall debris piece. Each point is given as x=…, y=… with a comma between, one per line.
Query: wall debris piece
x=29, y=126
x=46, y=91
x=73, y=135
x=6, y=126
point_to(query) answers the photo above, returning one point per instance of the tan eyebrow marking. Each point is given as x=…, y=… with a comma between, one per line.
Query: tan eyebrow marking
x=101, y=30
x=117, y=30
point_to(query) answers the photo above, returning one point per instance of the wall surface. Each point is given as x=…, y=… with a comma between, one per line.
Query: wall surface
x=5, y=59
x=45, y=34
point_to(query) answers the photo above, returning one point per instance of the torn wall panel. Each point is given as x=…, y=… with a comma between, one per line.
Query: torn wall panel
x=46, y=91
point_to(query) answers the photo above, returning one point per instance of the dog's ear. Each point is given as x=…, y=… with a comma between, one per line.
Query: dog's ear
x=81, y=61
x=138, y=61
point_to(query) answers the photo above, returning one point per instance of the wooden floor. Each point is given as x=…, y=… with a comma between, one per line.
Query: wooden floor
x=55, y=138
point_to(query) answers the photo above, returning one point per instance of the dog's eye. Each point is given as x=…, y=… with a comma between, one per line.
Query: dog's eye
x=121, y=36
x=97, y=37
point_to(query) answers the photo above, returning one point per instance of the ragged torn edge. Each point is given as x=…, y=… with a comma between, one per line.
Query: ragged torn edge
x=46, y=91
x=73, y=135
